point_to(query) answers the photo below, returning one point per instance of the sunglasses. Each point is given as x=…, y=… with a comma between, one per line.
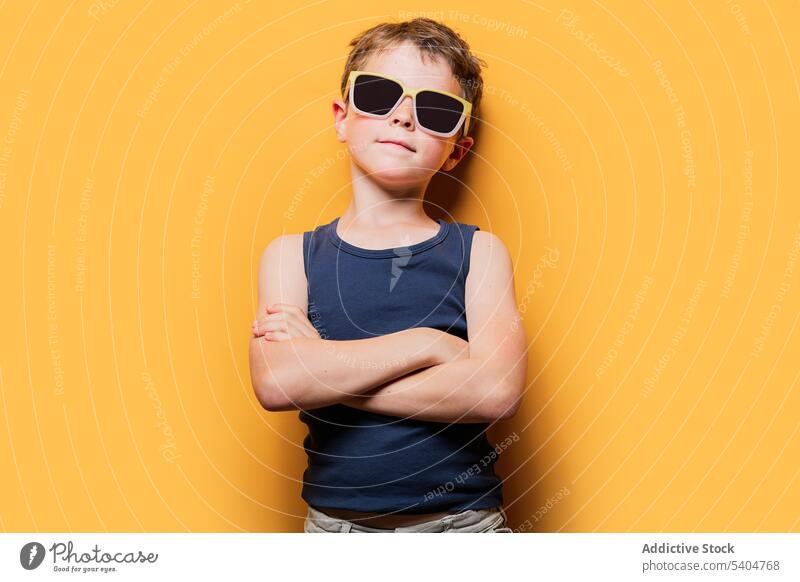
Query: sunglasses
x=435, y=111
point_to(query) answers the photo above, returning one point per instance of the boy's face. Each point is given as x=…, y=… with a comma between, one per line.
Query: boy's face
x=390, y=163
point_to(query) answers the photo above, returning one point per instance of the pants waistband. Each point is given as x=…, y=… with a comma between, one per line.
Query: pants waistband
x=462, y=519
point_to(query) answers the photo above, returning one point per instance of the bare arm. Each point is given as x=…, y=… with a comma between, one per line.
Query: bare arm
x=305, y=371
x=487, y=385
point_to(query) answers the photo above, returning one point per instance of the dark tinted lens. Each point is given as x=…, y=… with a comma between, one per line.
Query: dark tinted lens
x=438, y=112
x=375, y=95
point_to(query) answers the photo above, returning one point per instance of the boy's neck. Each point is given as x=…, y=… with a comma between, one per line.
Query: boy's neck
x=374, y=204
x=384, y=214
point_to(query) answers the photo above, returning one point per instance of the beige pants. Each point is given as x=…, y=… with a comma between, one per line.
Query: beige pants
x=470, y=521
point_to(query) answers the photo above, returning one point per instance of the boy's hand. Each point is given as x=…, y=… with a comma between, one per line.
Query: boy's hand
x=284, y=321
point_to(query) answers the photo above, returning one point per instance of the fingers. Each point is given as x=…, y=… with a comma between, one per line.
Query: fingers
x=289, y=312
x=275, y=336
x=270, y=330
x=302, y=328
x=284, y=321
x=295, y=327
x=275, y=307
x=290, y=327
x=263, y=325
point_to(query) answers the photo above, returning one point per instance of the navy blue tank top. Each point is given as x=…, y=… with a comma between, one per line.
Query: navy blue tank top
x=363, y=461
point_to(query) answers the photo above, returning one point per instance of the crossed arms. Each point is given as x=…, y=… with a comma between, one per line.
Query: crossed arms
x=420, y=373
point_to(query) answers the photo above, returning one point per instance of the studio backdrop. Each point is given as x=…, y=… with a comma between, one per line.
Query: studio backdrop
x=638, y=159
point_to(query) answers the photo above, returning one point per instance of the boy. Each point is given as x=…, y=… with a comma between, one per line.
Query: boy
x=361, y=322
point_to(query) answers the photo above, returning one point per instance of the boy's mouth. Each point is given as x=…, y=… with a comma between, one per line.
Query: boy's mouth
x=398, y=142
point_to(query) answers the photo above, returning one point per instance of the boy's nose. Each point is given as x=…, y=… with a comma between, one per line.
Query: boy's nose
x=404, y=114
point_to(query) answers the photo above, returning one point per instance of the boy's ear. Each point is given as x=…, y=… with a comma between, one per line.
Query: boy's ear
x=339, y=117
x=460, y=149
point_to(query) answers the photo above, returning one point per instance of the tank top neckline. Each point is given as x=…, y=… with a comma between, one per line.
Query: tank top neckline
x=444, y=228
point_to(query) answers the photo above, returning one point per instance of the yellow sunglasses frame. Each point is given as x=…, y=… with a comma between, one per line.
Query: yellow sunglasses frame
x=465, y=115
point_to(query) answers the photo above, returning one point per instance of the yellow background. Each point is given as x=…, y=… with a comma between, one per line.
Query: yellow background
x=638, y=159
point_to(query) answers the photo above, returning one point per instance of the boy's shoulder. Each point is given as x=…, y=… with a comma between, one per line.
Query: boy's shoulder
x=281, y=241
x=485, y=237
x=488, y=248
x=281, y=247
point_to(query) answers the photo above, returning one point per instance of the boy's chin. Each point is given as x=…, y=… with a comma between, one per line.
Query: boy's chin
x=399, y=174
x=392, y=170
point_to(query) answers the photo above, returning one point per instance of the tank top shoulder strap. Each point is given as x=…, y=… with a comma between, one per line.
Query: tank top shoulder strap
x=312, y=239
x=462, y=237
x=306, y=250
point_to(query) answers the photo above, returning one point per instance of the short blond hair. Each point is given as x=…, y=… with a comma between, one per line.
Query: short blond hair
x=433, y=39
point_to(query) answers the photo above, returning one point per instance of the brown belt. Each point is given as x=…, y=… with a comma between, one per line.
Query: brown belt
x=382, y=520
